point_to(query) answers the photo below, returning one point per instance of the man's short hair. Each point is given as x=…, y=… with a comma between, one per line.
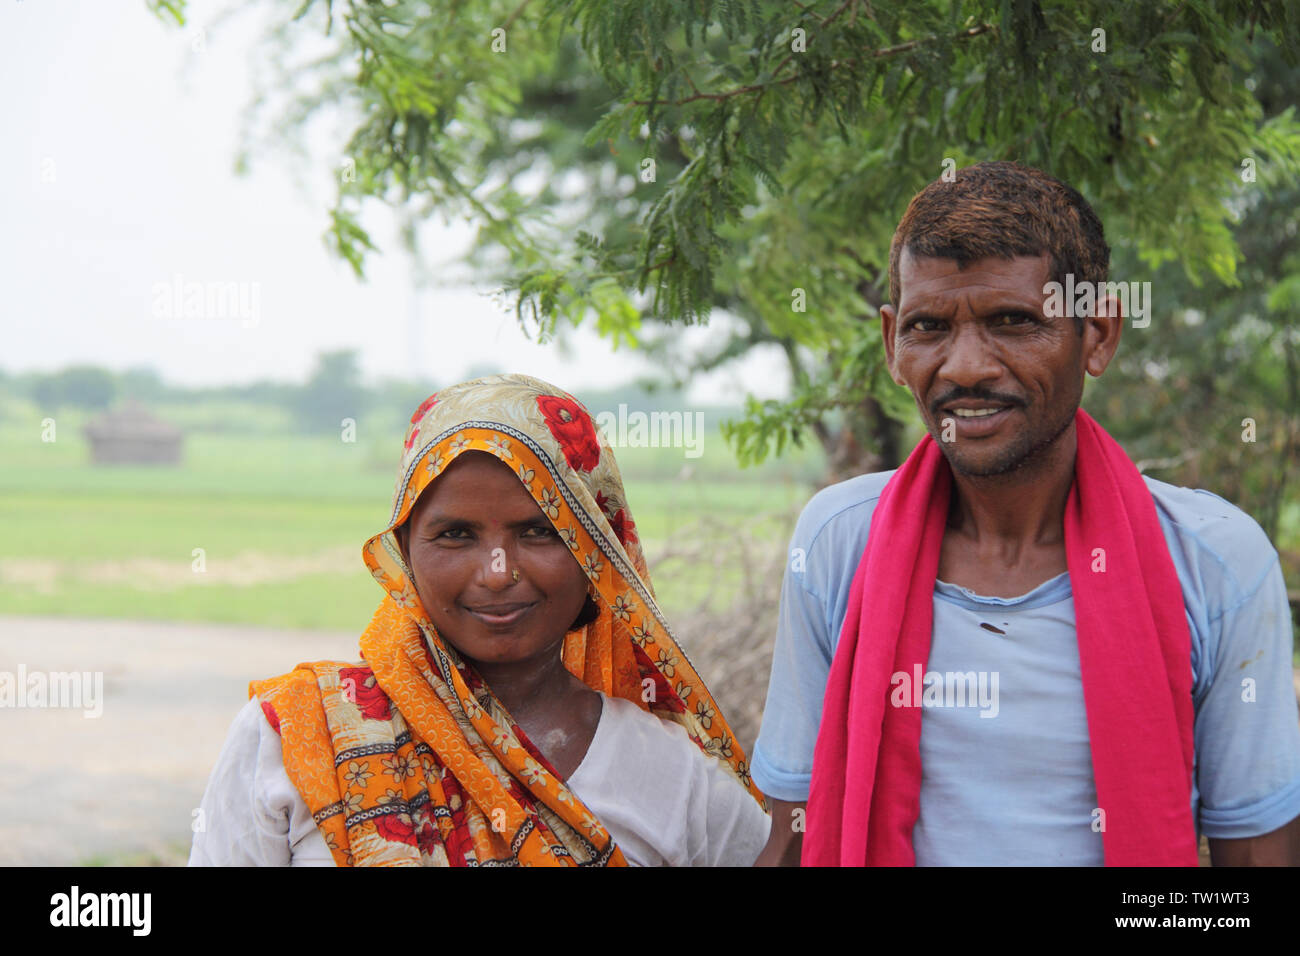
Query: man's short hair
x=1005, y=210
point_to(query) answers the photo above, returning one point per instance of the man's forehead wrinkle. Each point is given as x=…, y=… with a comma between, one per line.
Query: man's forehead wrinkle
x=942, y=308
x=975, y=299
x=999, y=279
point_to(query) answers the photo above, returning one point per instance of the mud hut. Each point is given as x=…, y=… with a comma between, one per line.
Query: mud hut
x=131, y=435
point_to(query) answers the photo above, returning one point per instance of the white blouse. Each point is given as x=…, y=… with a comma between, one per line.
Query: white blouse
x=664, y=801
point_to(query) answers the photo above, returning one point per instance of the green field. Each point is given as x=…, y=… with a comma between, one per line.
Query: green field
x=281, y=519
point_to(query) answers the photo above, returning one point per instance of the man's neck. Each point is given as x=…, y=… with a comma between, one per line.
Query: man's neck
x=1005, y=515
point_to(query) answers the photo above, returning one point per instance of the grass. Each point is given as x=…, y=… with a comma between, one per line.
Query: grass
x=172, y=853
x=278, y=522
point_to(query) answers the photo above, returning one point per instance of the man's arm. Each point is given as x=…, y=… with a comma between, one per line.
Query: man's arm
x=824, y=552
x=1247, y=726
x=1279, y=848
x=785, y=842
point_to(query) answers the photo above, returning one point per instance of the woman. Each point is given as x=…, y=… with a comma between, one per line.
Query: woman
x=521, y=700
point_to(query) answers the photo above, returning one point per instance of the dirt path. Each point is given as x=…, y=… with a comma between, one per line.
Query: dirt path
x=122, y=787
x=75, y=788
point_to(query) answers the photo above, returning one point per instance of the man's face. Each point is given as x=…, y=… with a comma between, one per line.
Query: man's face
x=989, y=371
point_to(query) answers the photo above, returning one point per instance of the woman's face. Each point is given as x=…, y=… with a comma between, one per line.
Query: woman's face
x=469, y=533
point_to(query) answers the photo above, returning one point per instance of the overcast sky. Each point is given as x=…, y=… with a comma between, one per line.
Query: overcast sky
x=117, y=186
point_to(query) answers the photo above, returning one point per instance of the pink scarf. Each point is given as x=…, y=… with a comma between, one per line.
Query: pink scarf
x=1134, y=654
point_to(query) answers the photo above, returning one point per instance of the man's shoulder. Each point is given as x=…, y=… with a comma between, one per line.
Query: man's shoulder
x=832, y=531
x=1219, y=543
x=850, y=501
x=1213, y=534
x=1219, y=525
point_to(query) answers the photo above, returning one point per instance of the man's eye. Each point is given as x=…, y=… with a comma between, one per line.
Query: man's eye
x=924, y=325
x=1012, y=318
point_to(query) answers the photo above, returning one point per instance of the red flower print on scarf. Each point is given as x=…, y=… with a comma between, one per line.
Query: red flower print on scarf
x=391, y=826
x=369, y=696
x=573, y=429
x=427, y=836
x=425, y=405
x=271, y=716
x=456, y=840
x=665, y=698
x=624, y=527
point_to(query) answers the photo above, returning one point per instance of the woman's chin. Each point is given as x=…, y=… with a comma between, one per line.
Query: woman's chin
x=506, y=648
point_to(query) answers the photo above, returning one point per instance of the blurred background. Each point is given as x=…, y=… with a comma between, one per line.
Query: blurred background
x=203, y=394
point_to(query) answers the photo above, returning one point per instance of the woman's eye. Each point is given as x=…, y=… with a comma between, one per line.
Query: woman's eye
x=453, y=534
x=540, y=531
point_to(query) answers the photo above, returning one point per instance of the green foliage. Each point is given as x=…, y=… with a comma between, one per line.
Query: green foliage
x=786, y=138
x=173, y=9
x=1220, y=363
x=332, y=394
x=79, y=386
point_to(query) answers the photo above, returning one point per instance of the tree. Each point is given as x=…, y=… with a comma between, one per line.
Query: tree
x=80, y=386
x=332, y=393
x=638, y=164
x=1212, y=397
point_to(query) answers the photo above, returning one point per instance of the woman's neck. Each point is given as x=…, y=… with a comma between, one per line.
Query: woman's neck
x=528, y=687
x=555, y=710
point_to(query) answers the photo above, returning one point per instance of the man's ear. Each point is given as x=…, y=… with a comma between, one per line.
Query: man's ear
x=889, y=322
x=1101, y=334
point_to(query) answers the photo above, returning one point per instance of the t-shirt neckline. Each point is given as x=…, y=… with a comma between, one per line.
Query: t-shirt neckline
x=1052, y=591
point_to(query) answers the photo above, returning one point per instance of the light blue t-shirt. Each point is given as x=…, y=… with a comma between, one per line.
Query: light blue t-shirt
x=1007, y=768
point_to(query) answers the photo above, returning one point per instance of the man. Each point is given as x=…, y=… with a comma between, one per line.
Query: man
x=1030, y=662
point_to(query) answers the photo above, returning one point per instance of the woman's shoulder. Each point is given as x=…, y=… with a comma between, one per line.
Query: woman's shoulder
x=626, y=717
x=640, y=735
x=251, y=814
x=309, y=672
x=303, y=685
x=662, y=797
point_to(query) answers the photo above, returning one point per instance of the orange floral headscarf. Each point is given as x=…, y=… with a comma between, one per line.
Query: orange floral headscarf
x=407, y=758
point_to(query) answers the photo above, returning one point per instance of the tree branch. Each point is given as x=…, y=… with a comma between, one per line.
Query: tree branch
x=515, y=14
x=882, y=53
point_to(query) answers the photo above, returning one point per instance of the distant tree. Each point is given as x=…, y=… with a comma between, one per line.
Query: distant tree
x=397, y=399
x=143, y=384
x=332, y=393
x=482, y=369
x=78, y=386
